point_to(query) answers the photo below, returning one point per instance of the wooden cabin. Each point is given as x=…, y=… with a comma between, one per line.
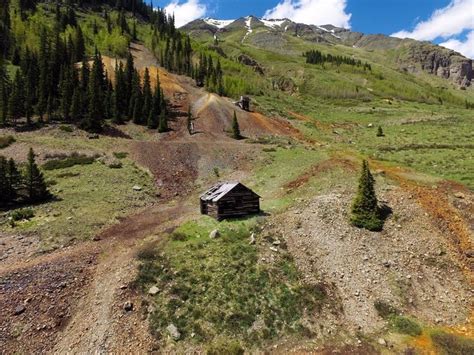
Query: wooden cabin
x=229, y=200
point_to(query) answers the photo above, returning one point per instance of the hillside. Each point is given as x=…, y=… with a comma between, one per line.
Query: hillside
x=130, y=127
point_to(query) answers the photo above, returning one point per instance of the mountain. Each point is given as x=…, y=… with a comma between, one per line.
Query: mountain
x=409, y=55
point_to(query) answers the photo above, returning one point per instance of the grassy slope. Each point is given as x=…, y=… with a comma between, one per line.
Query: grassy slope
x=340, y=102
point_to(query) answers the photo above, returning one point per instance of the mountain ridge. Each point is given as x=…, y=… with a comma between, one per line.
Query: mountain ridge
x=413, y=57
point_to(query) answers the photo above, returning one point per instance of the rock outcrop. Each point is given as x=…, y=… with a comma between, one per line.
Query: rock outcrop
x=441, y=62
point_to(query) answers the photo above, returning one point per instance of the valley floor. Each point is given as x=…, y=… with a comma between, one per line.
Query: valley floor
x=68, y=278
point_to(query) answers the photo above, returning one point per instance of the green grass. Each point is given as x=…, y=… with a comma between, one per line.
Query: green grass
x=213, y=288
x=399, y=323
x=88, y=198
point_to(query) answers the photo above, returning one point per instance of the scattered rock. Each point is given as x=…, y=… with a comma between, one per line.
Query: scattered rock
x=460, y=195
x=215, y=234
x=137, y=188
x=128, y=306
x=252, y=239
x=153, y=290
x=382, y=342
x=19, y=310
x=370, y=125
x=274, y=249
x=173, y=331
x=276, y=243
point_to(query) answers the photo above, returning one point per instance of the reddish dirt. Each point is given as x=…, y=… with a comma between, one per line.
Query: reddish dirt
x=324, y=166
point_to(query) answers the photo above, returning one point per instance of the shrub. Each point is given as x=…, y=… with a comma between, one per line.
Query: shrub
x=22, y=214
x=6, y=141
x=68, y=161
x=65, y=128
x=452, y=344
x=115, y=165
x=380, y=132
x=223, y=346
x=120, y=155
x=405, y=325
x=384, y=309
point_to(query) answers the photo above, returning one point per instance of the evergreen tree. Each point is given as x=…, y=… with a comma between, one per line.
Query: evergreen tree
x=4, y=197
x=35, y=184
x=163, y=125
x=365, y=210
x=14, y=179
x=4, y=29
x=79, y=45
x=235, y=128
x=380, y=132
x=16, y=102
x=76, y=110
x=147, y=95
x=4, y=93
x=94, y=118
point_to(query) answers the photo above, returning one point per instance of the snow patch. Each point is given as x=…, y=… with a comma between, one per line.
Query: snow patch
x=218, y=23
x=273, y=23
x=248, y=24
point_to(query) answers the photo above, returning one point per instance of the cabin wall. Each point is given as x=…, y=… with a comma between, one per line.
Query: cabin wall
x=238, y=203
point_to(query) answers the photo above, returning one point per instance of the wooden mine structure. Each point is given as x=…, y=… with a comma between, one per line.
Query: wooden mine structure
x=229, y=200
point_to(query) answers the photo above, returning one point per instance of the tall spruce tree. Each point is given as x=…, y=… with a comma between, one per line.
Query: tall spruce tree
x=16, y=102
x=163, y=125
x=14, y=180
x=365, y=211
x=4, y=197
x=35, y=185
x=4, y=93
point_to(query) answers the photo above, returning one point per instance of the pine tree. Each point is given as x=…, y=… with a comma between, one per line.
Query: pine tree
x=4, y=197
x=235, y=128
x=365, y=210
x=79, y=45
x=163, y=125
x=16, y=101
x=380, y=132
x=76, y=110
x=147, y=95
x=94, y=118
x=14, y=180
x=3, y=94
x=36, y=188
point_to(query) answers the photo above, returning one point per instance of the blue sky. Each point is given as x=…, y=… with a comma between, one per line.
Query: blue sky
x=446, y=22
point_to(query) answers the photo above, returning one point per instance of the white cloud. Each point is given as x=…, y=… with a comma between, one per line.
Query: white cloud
x=446, y=22
x=316, y=12
x=186, y=12
x=466, y=47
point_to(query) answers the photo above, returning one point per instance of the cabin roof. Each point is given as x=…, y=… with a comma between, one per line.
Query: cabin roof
x=219, y=190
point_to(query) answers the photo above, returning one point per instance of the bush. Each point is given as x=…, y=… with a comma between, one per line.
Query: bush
x=6, y=141
x=405, y=325
x=120, y=155
x=68, y=161
x=452, y=344
x=115, y=165
x=65, y=128
x=22, y=214
x=384, y=309
x=227, y=347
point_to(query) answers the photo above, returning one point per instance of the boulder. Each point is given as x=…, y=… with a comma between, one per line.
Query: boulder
x=215, y=234
x=153, y=290
x=137, y=188
x=173, y=332
x=19, y=310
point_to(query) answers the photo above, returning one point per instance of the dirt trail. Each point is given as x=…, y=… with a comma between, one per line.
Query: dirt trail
x=95, y=325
